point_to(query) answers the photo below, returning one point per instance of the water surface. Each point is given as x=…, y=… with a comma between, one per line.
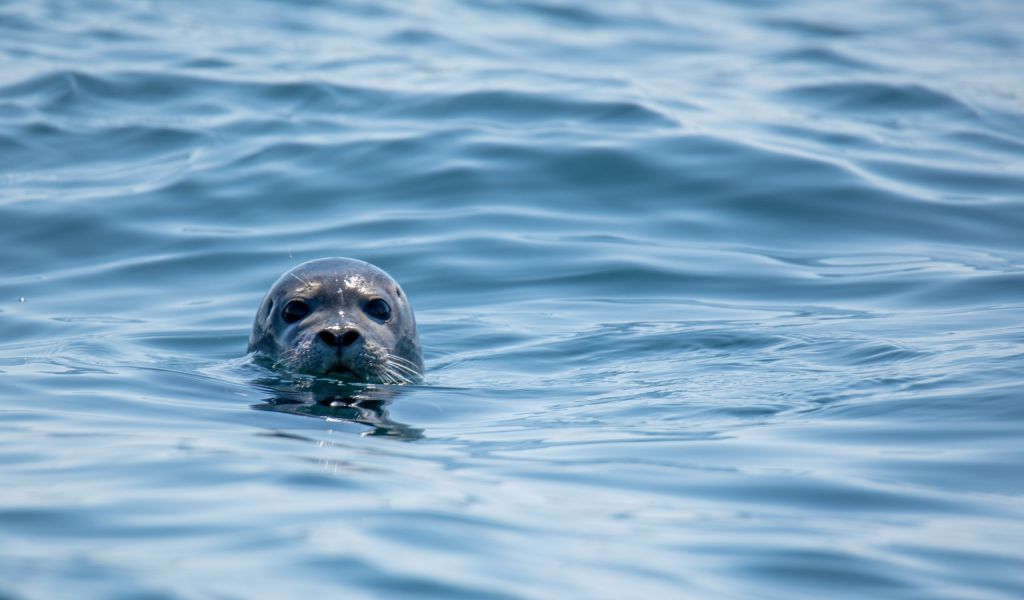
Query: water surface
x=718, y=300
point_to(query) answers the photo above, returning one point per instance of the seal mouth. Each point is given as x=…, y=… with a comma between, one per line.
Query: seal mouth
x=343, y=371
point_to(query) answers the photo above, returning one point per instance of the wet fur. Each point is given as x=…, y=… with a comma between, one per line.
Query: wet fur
x=336, y=289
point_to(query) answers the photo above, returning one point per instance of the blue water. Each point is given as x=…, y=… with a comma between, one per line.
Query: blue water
x=717, y=299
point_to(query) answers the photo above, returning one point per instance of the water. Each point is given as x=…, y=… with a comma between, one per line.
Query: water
x=718, y=300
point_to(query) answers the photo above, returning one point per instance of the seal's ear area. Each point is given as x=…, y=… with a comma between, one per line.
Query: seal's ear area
x=261, y=334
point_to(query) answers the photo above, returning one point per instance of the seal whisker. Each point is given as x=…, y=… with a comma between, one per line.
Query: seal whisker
x=405, y=373
x=388, y=375
x=397, y=363
x=398, y=376
x=301, y=280
x=400, y=361
x=406, y=376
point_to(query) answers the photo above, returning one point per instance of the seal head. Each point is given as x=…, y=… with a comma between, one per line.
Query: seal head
x=339, y=316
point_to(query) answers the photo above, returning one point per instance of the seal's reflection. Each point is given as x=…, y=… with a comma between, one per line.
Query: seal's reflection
x=361, y=404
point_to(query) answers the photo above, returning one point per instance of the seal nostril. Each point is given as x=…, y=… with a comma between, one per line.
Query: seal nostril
x=350, y=337
x=330, y=338
x=337, y=339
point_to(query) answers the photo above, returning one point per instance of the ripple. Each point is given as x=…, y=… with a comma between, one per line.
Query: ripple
x=518, y=106
x=715, y=302
x=823, y=56
x=881, y=98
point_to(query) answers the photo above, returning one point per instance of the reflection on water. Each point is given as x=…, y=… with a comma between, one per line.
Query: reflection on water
x=355, y=403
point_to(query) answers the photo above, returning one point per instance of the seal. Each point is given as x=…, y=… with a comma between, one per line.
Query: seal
x=339, y=316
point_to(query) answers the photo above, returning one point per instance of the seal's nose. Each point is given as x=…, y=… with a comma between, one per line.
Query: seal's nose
x=339, y=339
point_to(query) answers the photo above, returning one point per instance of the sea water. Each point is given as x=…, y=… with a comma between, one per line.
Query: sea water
x=717, y=299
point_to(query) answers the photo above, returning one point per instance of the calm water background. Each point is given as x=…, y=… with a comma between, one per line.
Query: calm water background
x=718, y=300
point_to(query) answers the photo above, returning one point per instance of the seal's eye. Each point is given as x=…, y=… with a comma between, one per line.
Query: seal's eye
x=296, y=310
x=378, y=309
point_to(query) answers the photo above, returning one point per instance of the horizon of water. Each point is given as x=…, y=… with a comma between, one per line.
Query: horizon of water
x=717, y=300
